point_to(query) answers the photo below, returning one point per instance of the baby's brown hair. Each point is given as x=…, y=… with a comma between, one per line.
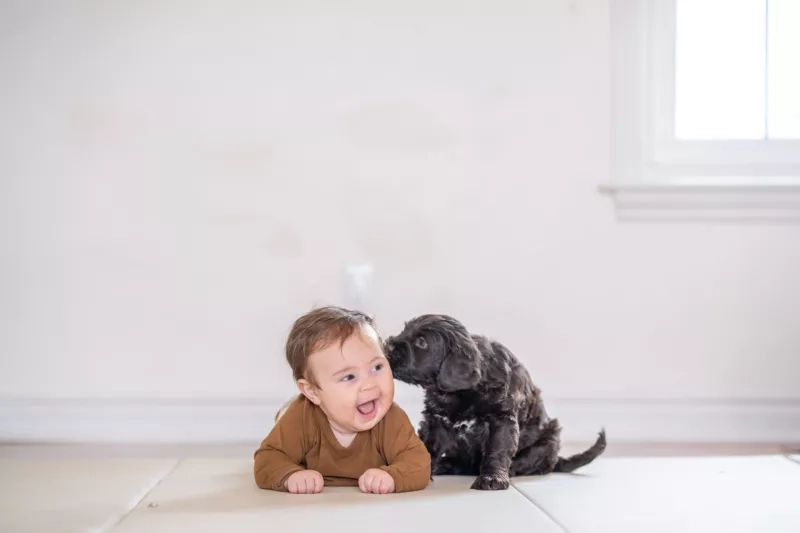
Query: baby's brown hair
x=318, y=329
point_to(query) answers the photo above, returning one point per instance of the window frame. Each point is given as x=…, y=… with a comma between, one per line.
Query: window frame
x=653, y=174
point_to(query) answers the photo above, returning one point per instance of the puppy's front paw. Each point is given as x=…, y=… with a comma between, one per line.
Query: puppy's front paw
x=492, y=482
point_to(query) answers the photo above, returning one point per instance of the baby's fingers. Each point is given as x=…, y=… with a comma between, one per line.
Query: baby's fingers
x=372, y=483
x=375, y=485
x=318, y=483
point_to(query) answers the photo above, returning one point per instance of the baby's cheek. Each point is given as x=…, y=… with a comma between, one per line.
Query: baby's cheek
x=350, y=400
x=389, y=385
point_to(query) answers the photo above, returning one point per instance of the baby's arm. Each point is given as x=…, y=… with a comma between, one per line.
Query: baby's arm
x=282, y=451
x=409, y=462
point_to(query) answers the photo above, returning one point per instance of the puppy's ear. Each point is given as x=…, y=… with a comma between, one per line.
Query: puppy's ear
x=461, y=368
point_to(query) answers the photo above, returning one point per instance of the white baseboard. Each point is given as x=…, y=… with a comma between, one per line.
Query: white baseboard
x=238, y=421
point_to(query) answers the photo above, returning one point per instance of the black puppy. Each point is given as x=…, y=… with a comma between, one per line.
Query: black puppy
x=483, y=416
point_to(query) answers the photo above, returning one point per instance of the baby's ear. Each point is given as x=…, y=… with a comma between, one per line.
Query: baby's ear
x=308, y=390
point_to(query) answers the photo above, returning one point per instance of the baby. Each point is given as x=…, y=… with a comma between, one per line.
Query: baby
x=344, y=429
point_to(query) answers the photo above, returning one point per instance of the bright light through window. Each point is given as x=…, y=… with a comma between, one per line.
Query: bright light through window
x=783, y=71
x=720, y=48
x=737, y=69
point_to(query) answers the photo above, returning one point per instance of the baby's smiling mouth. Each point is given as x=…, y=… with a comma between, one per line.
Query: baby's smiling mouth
x=367, y=408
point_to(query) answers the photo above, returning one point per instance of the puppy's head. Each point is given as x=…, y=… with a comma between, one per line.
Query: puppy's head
x=435, y=352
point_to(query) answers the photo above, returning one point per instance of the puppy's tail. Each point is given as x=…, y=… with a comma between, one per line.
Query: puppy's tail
x=578, y=460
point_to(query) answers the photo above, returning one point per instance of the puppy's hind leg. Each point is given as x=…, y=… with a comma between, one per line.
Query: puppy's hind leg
x=540, y=457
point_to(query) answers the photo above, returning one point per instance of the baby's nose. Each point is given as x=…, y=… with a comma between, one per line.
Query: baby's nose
x=368, y=383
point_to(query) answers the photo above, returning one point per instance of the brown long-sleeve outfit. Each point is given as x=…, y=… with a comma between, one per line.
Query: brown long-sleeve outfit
x=303, y=439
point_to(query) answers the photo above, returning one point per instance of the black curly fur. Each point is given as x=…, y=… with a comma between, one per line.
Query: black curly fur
x=483, y=416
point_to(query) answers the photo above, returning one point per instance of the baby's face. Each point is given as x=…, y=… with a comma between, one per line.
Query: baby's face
x=355, y=386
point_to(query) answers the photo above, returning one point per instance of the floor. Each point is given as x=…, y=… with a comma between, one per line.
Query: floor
x=155, y=489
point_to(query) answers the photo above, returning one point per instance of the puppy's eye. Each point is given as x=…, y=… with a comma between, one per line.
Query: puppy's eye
x=421, y=343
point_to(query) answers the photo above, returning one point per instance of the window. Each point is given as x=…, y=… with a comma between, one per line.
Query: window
x=706, y=107
x=741, y=81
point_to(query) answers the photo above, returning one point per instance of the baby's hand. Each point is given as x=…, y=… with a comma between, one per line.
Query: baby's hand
x=376, y=481
x=305, y=482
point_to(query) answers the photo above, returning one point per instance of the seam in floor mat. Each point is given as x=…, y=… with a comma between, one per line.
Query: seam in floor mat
x=544, y=512
x=791, y=459
x=117, y=520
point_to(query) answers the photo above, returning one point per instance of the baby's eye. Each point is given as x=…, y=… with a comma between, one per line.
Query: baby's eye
x=378, y=367
x=349, y=377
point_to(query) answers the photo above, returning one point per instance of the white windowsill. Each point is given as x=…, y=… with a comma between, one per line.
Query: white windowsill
x=739, y=199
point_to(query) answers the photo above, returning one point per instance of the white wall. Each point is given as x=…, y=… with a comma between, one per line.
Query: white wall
x=178, y=183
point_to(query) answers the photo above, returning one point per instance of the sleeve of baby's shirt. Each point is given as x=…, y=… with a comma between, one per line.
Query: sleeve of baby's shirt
x=283, y=450
x=408, y=461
